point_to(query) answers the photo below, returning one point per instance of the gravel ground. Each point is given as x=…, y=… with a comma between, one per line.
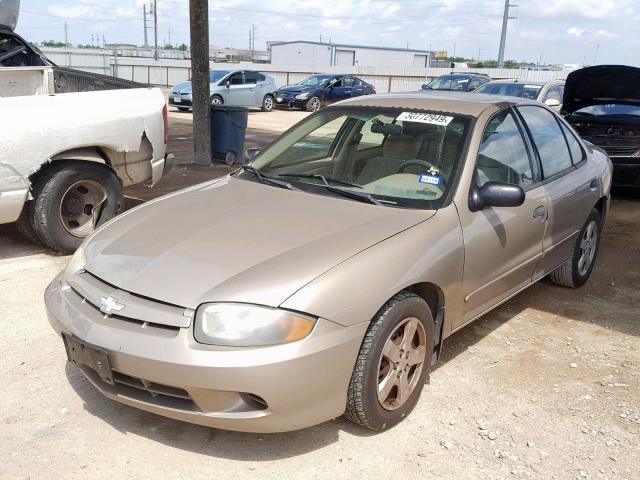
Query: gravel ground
x=546, y=386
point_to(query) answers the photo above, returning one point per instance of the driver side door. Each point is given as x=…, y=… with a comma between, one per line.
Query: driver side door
x=503, y=245
x=237, y=92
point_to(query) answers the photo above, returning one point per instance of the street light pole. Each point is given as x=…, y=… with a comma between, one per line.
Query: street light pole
x=199, y=23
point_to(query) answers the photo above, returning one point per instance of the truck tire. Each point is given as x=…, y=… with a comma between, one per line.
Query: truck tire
x=577, y=269
x=393, y=363
x=70, y=200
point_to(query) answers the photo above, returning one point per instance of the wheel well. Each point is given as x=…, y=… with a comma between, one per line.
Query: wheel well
x=61, y=163
x=433, y=295
x=601, y=206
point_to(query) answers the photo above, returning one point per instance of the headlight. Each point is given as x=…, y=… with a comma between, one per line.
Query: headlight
x=241, y=325
x=302, y=96
x=76, y=263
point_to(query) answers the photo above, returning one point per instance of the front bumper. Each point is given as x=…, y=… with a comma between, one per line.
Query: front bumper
x=180, y=100
x=289, y=101
x=165, y=371
x=626, y=171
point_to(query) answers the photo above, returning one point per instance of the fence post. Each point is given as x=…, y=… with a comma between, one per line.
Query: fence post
x=167, y=68
x=389, y=87
x=148, y=74
x=287, y=78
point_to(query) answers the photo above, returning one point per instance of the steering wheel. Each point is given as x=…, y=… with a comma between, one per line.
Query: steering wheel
x=419, y=163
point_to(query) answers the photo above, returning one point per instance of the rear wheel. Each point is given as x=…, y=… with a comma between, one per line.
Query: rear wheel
x=393, y=363
x=70, y=201
x=267, y=103
x=577, y=269
x=313, y=104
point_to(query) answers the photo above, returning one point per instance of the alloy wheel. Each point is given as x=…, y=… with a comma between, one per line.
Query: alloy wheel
x=81, y=207
x=315, y=104
x=588, y=245
x=401, y=363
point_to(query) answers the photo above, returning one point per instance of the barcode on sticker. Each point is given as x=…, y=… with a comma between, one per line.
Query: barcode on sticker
x=430, y=118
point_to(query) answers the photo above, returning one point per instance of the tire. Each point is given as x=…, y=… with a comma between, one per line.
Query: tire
x=183, y=109
x=267, y=103
x=313, y=104
x=574, y=273
x=62, y=213
x=230, y=158
x=363, y=404
x=216, y=100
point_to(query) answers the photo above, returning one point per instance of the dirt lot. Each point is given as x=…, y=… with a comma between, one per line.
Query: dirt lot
x=546, y=386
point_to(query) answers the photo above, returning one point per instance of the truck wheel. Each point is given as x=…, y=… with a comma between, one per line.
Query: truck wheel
x=267, y=103
x=577, y=269
x=313, y=104
x=394, y=360
x=70, y=200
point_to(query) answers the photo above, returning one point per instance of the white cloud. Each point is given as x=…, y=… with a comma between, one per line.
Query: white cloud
x=576, y=32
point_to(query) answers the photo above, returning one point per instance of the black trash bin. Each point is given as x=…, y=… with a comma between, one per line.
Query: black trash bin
x=228, y=129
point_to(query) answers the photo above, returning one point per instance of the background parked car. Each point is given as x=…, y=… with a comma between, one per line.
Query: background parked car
x=458, y=82
x=549, y=93
x=602, y=104
x=244, y=88
x=318, y=90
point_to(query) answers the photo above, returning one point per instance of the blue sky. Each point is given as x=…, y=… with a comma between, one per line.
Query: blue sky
x=558, y=31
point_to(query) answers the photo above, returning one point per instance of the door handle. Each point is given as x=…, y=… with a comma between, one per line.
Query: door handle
x=595, y=183
x=540, y=212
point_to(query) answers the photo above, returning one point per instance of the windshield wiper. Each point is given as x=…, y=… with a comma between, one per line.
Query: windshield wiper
x=262, y=178
x=360, y=196
x=326, y=180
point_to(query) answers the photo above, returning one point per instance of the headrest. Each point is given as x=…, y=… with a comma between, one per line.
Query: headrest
x=402, y=147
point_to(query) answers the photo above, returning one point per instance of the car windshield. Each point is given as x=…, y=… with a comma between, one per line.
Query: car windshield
x=389, y=156
x=216, y=75
x=313, y=81
x=522, y=90
x=450, y=82
x=609, y=109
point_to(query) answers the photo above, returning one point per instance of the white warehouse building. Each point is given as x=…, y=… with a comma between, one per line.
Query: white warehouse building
x=303, y=53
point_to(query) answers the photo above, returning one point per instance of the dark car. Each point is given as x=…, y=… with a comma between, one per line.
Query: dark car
x=602, y=103
x=318, y=90
x=457, y=82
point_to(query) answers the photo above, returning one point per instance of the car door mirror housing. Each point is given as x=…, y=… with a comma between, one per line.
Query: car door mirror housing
x=250, y=155
x=425, y=86
x=552, y=102
x=496, y=194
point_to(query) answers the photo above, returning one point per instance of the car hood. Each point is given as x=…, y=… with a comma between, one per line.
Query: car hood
x=9, y=10
x=601, y=85
x=297, y=89
x=182, y=87
x=236, y=240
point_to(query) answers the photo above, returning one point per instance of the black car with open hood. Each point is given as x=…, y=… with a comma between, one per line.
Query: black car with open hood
x=602, y=103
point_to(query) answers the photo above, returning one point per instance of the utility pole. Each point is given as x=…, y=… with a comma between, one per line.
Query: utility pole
x=595, y=57
x=66, y=44
x=155, y=28
x=199, y=31
x=253, y=42
x=503, y=36
x=104, y=42
x=92, y=39
x=144, y=16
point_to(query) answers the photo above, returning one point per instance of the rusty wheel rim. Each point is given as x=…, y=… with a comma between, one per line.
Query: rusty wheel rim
x=401, y=363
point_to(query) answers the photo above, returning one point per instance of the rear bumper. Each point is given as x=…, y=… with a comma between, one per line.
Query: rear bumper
x=302, y=383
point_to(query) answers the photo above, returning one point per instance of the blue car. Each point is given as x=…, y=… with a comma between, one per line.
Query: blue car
x=318, y=90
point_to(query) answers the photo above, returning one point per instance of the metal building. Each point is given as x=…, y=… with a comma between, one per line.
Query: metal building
x=320, y=54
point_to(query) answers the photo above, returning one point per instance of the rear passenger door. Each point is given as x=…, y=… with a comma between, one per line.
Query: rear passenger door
x=570, y=186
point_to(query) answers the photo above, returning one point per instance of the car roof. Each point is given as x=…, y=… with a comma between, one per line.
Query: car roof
x=462, y=103
x=526, y=82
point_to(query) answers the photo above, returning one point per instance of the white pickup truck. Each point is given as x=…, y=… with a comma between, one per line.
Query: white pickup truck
x=65, y=157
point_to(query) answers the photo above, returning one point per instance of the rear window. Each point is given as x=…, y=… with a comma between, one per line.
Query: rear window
x=522, y=90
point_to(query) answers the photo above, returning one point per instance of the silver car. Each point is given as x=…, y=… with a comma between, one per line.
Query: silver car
x=549, y=93
x=324, y=278
x=244, y=88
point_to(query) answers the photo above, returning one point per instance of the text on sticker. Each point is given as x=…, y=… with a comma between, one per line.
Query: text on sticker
x=430, y=179
x=430, y=118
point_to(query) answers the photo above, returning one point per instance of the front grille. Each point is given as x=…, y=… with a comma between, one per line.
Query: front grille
x=136, y=309
x=614, y=147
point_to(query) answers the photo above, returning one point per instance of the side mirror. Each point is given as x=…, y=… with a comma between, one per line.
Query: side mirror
x=424, y=86
x=251, y=154
x=496, y=194
x=227, y=83
x=552, y=102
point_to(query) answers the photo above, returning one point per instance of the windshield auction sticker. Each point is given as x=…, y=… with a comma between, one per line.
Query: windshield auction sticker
x=430, y=118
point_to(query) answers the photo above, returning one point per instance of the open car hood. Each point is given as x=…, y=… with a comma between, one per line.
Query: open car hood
x=601, y=85
x=9, y=10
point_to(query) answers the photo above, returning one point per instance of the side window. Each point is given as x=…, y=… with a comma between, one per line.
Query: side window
x=475, y=83
x=577, y=154
x=236, y=79
x=554, y=93
x=261, y=77
x=503, y=155
x=357, y=82
x=548, y=139
x=250, y=77
x=347, y=82
x=336, y=84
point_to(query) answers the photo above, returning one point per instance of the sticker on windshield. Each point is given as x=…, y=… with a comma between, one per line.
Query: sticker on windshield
x=429, y=179
x=430, y=118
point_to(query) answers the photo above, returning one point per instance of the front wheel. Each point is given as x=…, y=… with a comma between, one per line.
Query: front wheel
x=216, y=100
x=70, y=200
x=267, y=103
x=393, y=363
x=313, y=104
x=577, y=269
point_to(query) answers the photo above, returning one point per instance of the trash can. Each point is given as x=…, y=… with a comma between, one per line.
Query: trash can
x=228, y=128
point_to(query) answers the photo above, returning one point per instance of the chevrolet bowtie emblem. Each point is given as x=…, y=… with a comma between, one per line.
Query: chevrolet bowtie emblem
x=110, y=304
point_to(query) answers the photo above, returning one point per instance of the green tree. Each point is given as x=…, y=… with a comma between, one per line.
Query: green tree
x=168, y=46
x=53, y=43
x=183, y=47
